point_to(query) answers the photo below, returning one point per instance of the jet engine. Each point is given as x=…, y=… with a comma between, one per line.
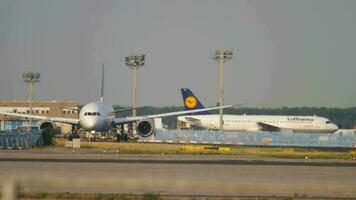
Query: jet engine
x=145, y=127
x=47, y=124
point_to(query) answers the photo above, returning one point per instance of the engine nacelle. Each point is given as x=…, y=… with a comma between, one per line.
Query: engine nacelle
x=145, y=127
x=47, y=124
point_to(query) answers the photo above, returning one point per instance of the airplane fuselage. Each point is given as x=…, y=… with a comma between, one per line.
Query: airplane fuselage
x=96, y=116
x=251, y=122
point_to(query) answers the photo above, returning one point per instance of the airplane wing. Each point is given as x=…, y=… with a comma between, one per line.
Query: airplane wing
x=268, y=127
x=118, y=121
x=127, y=109
x=55, y=119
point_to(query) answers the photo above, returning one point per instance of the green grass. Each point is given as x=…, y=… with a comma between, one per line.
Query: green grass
x=72, y=196
x=148, y=196
x=151, y=196
x=174, y=149
x=280, y=152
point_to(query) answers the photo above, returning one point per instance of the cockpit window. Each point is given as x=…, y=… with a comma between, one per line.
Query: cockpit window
x=327, y=122
x=92, y=114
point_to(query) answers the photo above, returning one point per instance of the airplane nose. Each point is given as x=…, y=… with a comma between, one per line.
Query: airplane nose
x=89, y=124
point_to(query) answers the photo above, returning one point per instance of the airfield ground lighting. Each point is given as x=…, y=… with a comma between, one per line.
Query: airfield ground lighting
x=31, y=78
x=221, y=56
x=134, y=62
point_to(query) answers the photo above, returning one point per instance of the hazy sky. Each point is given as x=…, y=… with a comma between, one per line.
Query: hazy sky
x=287, y=52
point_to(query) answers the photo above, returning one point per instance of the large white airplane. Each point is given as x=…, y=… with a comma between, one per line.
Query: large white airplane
x=251, y=122
x=99, y=116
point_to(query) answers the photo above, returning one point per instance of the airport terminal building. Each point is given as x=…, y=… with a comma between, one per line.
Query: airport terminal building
x=45, y=108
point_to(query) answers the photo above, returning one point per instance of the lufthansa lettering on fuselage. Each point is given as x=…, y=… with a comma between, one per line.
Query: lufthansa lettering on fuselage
x=299, y=119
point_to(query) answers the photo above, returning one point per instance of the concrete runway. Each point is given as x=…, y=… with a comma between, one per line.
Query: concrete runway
x=179, y=175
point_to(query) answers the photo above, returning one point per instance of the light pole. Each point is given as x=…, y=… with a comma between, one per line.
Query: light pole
x=31, y=78
x=221, y=56
x=134, y=62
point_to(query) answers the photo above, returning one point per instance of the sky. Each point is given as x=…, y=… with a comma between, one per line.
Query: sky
x=286, y=52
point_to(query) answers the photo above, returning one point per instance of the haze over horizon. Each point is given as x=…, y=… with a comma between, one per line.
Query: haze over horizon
x=286, y=52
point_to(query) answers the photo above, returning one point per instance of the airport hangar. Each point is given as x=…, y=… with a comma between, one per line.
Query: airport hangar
x=47, y=108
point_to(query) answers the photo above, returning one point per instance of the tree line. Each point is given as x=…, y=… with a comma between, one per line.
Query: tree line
x=345, y=118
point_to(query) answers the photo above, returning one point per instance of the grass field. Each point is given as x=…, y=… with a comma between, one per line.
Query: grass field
x=242, y=151
x=149, y=196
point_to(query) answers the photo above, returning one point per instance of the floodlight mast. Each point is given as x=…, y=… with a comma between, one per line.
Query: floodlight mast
x=221, y=56
x=134, y=62
x=31, y=78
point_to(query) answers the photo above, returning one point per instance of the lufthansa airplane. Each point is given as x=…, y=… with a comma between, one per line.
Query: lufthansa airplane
x=251, y=122
x=99, y=116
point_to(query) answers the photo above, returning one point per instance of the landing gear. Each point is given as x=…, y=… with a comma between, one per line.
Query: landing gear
x=75, y=128
x=74, y=133
x=121, y=135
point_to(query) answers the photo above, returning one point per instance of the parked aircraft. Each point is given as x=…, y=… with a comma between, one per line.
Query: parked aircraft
x=99, y=116
x=251, y=122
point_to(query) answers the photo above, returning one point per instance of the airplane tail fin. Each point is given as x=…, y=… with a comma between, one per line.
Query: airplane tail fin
x=102, y=84
x=191, y=102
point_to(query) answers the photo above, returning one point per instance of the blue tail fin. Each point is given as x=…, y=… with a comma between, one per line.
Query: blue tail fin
x=191, y=102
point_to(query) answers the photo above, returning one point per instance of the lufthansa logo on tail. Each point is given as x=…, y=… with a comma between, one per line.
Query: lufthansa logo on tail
x=190, y=102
